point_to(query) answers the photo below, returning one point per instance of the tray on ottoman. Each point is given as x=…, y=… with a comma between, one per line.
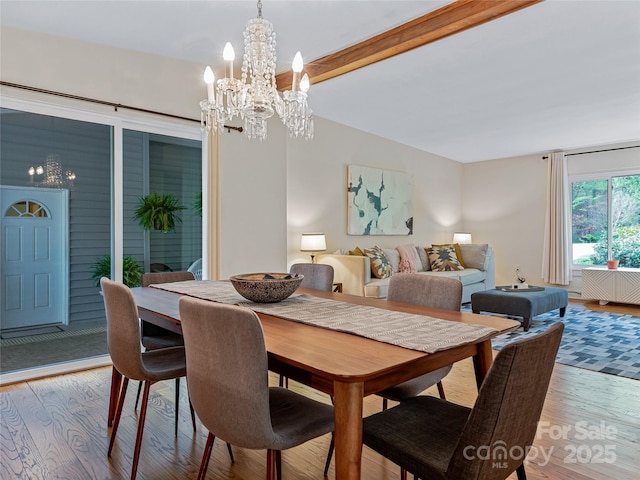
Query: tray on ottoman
x=525, y=303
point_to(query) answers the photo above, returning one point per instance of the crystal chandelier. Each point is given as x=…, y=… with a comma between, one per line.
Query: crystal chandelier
x=51, y=175
x=254, y=97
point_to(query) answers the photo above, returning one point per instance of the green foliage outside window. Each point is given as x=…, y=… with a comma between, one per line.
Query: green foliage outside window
x=589, y=211
x=131, y=271
x=625, y=246
x=592, y=217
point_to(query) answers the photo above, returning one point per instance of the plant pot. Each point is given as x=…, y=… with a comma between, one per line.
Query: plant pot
x=612, y=264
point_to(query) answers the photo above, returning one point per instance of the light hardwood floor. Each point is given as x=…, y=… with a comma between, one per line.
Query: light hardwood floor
x=56, y=428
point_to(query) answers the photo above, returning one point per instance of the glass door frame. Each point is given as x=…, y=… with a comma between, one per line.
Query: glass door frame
x=118, y=121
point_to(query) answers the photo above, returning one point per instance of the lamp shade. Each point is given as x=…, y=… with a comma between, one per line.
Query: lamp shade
x=313, y=242
x=461, y=237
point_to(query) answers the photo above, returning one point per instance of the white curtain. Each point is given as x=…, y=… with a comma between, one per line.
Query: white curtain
x=556, y=255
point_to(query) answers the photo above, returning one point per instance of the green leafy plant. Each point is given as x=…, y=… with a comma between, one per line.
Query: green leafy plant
x=158, y=212
x=131, y=271
x=197, y=204
x=624, y=247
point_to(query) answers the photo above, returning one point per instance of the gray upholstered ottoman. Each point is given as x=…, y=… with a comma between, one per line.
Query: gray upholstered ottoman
x=522, y=303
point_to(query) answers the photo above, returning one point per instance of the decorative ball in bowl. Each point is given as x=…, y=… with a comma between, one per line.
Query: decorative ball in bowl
x=266, y=287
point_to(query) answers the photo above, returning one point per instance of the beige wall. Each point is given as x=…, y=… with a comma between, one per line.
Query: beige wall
x=253, y=203
x=317, y=188
x=504, y=205
x=105, y=73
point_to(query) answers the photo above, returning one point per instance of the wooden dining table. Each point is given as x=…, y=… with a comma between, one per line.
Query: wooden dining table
x=347, y=367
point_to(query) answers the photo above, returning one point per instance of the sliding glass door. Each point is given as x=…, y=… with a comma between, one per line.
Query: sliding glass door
x=168, y=169
x=41, y=154
x=70, y=191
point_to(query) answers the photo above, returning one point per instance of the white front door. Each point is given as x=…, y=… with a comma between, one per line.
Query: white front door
x=34, y=286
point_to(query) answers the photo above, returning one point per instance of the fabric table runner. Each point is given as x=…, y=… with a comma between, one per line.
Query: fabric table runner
x=416, y=332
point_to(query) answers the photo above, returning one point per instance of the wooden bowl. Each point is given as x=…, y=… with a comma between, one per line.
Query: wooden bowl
x=266, y=287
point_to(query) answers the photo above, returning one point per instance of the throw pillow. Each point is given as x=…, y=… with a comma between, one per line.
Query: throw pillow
x=443, y=259
x=356, y=251
x=474, y=254
x=380, y=266
x=393, y=257
x=424, y=259
x=456, y=246
x=408, y=258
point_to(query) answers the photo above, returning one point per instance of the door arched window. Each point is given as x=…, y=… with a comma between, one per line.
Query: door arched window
x=27, y=208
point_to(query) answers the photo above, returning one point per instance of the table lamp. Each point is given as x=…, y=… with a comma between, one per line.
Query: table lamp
x=462, y=237
x=313, y=242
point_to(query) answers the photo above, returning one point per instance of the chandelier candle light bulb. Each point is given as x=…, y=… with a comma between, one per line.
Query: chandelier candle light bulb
x=304, y=83
x=209, y=79
x=229, y=56
x=296, y=66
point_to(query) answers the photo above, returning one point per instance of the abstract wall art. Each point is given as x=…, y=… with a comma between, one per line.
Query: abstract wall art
x=379, y=202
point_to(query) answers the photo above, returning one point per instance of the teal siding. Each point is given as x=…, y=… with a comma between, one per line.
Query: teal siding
x=26, y=140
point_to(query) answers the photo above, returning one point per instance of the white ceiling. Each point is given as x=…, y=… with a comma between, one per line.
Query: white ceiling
x=561, y=74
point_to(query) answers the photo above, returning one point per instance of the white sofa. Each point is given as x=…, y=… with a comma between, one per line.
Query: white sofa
x=354, y=271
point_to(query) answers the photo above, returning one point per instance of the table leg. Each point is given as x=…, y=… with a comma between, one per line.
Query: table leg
x=482, y=361
x=116, y=385
x=348, y=429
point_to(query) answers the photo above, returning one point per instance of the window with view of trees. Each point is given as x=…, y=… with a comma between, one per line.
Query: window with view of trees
x=606, y=220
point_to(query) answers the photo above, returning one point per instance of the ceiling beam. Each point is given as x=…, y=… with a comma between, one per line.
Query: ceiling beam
x=448, y=20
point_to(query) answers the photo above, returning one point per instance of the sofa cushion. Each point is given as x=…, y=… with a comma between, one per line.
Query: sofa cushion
x=424, y=259
x=377, y=288
x=393, y=257
x=443, y=259
x=380, y=266
x=356, y=251
x=456, y=246
x=474, y=254
x=469, y=276
x=408, y=258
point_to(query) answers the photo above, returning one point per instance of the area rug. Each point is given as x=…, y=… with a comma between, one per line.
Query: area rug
x=599, y=341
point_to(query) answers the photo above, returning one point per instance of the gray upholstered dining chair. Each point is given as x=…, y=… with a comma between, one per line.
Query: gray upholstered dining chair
x=427, y=291
x=316, y=276
x=155, y=337
x=434, y=438
x=227, y=362
x=123, y=336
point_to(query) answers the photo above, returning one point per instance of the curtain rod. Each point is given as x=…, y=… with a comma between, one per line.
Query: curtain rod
x=597, y=151
x=115, y=106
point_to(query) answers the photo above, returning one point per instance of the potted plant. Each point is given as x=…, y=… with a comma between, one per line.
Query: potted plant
x=612, y=264
x=158, y=212
x=197, y=204
x=131, y=271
